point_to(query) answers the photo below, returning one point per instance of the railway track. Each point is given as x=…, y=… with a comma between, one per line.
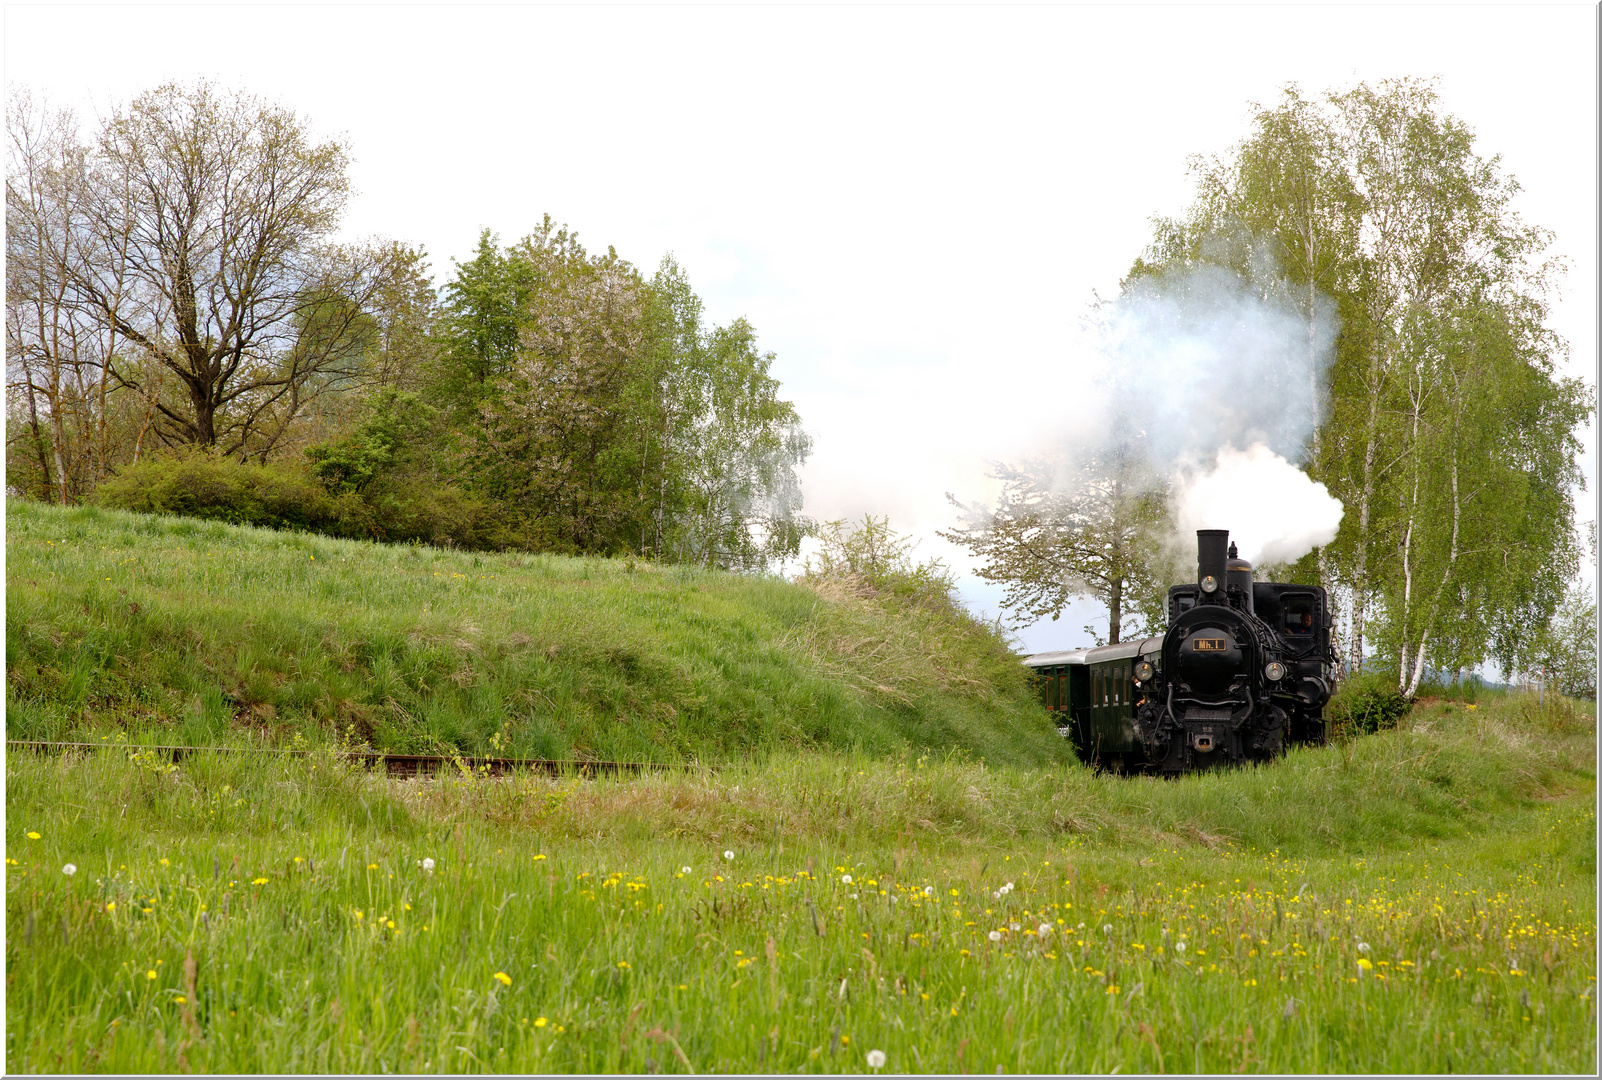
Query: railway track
x=399, y=766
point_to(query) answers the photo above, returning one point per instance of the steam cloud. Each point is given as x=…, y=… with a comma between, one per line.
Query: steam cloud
x=1204, y=361
x=1285, y=517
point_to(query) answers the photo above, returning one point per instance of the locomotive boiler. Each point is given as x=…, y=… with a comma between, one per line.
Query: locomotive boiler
x=1243, y=670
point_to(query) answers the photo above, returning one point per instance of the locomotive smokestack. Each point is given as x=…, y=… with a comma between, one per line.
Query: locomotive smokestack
x=1212, y=547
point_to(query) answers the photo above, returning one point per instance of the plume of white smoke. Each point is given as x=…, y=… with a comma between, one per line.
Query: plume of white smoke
x=1201, y=361
x=1275, y=511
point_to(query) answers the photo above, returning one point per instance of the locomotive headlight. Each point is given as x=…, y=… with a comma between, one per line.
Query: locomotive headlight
x=1209, y=584
x=1144, y=671
x=1275, y=671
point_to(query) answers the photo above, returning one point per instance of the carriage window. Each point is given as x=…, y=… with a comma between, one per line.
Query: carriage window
x=1117, y=686
x=1062, y=693
x=1298, y=615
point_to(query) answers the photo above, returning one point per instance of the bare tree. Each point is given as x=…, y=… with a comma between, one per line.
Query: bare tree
x=206, y=254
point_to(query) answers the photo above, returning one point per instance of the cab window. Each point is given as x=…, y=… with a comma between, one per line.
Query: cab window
x=1299, y=615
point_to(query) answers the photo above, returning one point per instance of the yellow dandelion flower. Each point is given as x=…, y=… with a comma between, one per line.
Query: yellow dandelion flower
x=33, y=836
x=540, y=1021
x=150, y=974
x=1365, y=964
x=624, y=965
x=179, y=1000
x=259, y=881
x=1112, y=989
x=111, y=905
x=503, y=978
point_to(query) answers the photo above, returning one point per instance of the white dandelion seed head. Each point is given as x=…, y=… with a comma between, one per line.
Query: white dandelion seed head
x=1179, y=946
x=853, y=896
x=1013, y=926
x=846, y=878
x=995, y=935
x=1362, y=946
x=729, y=855
x=1007, y=887
x=428, y=865
x=686, y=869
x=1081, y=926
x=875, y=1059
x=1044, y=929
x=928, y=890
x=996, y=895
x=69, y=869
x=895, y=899
x=1106, y=928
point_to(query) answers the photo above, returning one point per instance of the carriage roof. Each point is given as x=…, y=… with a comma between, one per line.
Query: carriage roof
x=1124, y=650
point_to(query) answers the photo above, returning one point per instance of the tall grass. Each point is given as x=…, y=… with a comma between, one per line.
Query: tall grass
x=1420, y=900
x=200, y=631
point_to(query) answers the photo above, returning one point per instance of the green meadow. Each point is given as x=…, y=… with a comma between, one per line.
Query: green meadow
x=1422, y=900
x=891, y=867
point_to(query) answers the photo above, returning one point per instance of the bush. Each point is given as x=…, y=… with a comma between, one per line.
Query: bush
x=1365, y=704
x=204, y=485
x=406, y=509
x=289, y=496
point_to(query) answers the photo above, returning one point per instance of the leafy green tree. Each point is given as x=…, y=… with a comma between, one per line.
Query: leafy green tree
x=483, y=313
x=1447, y=433
x=1565, y=649
x=736, y=456
x=600, y=411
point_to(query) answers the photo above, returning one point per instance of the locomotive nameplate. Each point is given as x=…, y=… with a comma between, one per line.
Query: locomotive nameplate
x=1208, y=644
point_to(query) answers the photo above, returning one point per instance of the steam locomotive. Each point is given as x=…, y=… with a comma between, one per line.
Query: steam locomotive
x=1244, y=669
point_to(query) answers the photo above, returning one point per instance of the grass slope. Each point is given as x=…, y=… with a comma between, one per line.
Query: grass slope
x=176, y=629
x=1422, y=900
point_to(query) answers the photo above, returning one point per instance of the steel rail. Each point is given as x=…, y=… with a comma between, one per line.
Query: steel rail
x=402, y=765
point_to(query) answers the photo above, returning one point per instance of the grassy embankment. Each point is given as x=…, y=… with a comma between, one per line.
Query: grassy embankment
x=175, y=630
x=1419, y=900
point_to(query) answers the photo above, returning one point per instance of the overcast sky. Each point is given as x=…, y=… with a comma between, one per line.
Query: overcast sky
x=914, y=206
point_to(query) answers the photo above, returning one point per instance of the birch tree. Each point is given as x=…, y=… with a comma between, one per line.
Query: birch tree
x=1448, y=434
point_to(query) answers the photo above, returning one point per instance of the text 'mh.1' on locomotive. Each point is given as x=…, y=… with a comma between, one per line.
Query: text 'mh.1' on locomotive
x=1244, y=669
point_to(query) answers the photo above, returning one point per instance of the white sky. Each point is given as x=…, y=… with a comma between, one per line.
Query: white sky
x=913, y=205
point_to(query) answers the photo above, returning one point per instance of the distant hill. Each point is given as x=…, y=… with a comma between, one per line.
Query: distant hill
x=202, y=632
